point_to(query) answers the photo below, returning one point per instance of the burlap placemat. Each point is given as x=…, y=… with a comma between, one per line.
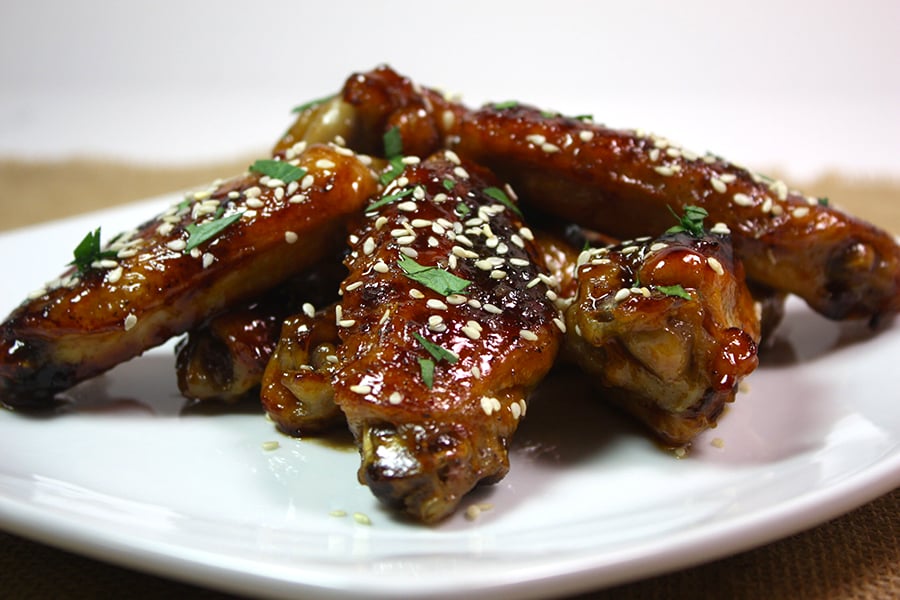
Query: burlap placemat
x=856, y=556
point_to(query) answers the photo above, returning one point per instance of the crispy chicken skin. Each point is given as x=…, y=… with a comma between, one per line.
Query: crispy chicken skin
x=667, y=327
x=154, y=287
x=625, y=184
x=224, y=358
x=447, y=323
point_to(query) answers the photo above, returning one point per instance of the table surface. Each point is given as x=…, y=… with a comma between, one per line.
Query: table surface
x=854, y=556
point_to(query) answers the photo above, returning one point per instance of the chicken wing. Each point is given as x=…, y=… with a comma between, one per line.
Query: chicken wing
x=224, y=358
x=447, y=322
x=217, y=248
x=625, y=184
x=667, y=327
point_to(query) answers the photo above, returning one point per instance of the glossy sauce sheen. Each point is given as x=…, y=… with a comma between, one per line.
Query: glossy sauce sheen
x=673, y=361
x=424, y=447
x=84, y=325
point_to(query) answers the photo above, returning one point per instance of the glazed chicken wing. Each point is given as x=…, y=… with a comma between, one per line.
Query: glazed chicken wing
x=215, y=249
x=626, y=183
x=447, y=322
x=224, y=358
x=667, y=327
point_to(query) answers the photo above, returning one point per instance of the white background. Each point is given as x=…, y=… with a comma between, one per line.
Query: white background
x=803, y=86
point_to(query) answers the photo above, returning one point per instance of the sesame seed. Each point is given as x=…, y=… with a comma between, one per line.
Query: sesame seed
x=177, y=245
x=664, y=170
x=516, y=410
x=380, y=267
x=494, y=310
x=380, y=222
x=324, y=163
x=346, y=322
x=114, y=275
x=720, y=228
x=421, y=223
x=411, y=160
x=455, y=299
x=585, y=135
x=406, y=240
x=549, y=148
x=415, y=293
x=489, y=405
x=368, y=246
x=622, y=294
x=255, y=203
x=536, y=139
x=410, y=252
x=743, y=199
x=560, y=324
x=461, y=172
x=130, y=321
x=408, y=206
x=498, y=274
x=718, y=185
x=471, y=332
x=249, y=214
x=474, y=303
x=715, y=265
x=361, y=389
x=269, y=446
x=800, y=212
x=435, y=304
x=362, y=518
x=527, y=334
x=451, y=155
x=353, y=286
x=658, y=246
x=309, y=310
x=476, y=372
x=291, y=237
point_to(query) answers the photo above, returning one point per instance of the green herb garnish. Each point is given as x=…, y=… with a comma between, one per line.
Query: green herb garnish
x=462, y=209
x=388, y=199
x=504, y=105
x=674, y=290
x=823, y=201
x=202, y=232
x=547, y=114
x=691, y=222
x=500, y=196
x=448, y=184
x=583, y=117
x=277, y=169
x=311, y=104
x=88, y=251
x=437, y=352
x=393, y=143
x=426, y=368
x=441, y=281
x=396, y=167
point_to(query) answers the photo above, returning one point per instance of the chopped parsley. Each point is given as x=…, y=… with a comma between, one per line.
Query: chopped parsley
x=393, y=143
x=823, y=201
x=203, y=232
x=426, y=369
x=277, y=169
x=393, y=172
x=691, y=222
x=88, y=251
x=388, y=199
x=504, y=105
x=311, y=104
x=501, y=197
x=438, y=353
x=462, y=210
x=448, y=184
x=436, y=279
x=674, y=290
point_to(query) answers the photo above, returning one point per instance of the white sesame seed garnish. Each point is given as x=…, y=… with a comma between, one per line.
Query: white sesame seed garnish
x=728, y=177
x=494, y=310
x=718, y=185
x=269, y=446
x=291, y=237
x=715, y=265
x=536, y=138
x=743, y=199
x=354, y=286
x=585, y=135
x=658, y=246
x=527, y=334
x=307, y=181
x=560, y=324
x=471, y=332
x=451, y=155
x=664, y=170
x=395, y=398
x=380, y=267
x=309, y=310
x=346, y=322
x=406, y=240
x=324, y=163
x=408, y=206
x=361, y=389
x=489, y=405
x=526, y=234
x=455, y=299
x=368, y=246
x=176, y=245
x=410, y=252
x=549, y=148
x=780, y=188
x=622, y=294
x=474, y=303
x=461, y=172
x=498, y=274
x=114, y=275
x=720, y=228
x=130, y=321
x=415, y=293
x=800, y=212
x=435, y=304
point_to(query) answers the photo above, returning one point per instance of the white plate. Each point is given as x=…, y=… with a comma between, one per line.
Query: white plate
x=126, y=475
